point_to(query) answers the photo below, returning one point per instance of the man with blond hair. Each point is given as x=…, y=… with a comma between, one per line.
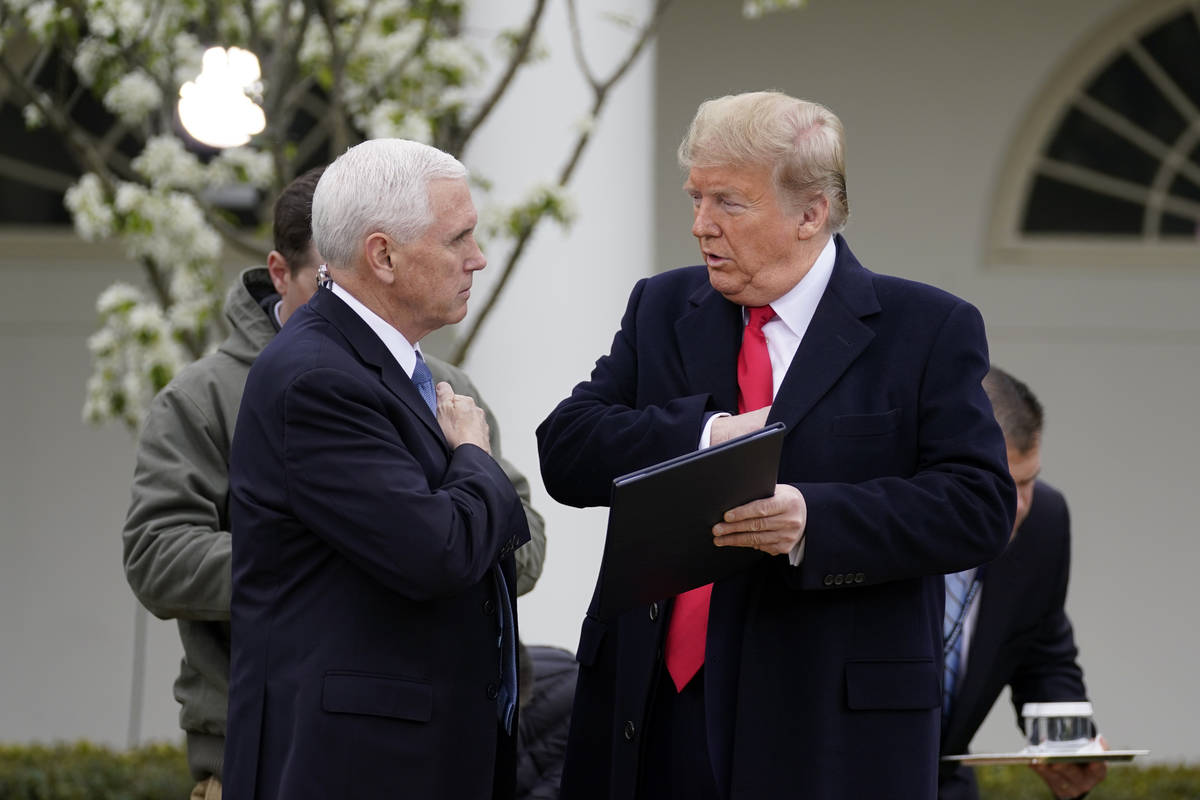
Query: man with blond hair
x=373, y=612
x=817, y=672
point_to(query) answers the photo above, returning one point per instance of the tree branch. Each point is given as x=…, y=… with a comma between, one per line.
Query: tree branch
x=577, y=45
x=518, y=57
x=80, y=145
x=462, y=346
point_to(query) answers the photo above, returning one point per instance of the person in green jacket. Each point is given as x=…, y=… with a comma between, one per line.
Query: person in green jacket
x=176, y=535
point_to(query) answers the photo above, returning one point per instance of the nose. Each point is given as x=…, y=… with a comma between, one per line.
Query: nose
x=478, y=260
x=702, y=225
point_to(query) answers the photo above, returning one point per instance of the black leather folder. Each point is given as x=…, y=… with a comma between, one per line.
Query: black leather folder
x=660, y=540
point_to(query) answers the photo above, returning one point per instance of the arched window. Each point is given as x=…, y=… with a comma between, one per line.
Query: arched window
x=1106, y=166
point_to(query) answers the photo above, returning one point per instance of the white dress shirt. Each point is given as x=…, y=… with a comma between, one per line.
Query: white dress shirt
x=793, y=314
x=968, y=628
x=400, y=348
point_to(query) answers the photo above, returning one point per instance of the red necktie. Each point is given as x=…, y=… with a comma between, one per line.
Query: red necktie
x=689, y=619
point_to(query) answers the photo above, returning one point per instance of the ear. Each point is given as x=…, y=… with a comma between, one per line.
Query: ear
x=279, y=270
x=812, y=222
x=380, y=250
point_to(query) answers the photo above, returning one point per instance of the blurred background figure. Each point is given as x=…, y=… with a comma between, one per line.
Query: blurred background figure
x=1006, y=623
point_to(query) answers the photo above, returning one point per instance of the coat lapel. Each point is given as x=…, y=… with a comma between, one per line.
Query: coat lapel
x=372, y=351
x=709, y=336
x=834, y=339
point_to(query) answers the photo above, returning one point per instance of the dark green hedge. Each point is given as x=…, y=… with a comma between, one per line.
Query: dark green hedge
x=1124, y=782
x=159, y=772
x=87, y=772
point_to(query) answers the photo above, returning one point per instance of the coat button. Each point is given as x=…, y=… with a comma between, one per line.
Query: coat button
x=859, y=577
x=838, y=580
x=654, y=612
x=829, y=580
x=630, y=730
x=493, y=691
x=489, y=607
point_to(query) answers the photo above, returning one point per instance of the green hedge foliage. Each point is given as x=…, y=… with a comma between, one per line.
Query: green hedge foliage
x=1124, y=782
x=85, y=771
x=159, y=772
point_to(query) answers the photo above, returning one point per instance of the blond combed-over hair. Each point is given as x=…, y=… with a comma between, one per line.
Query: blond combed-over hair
x=803, y=143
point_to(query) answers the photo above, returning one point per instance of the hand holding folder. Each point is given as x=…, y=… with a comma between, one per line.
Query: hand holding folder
x=660, y=540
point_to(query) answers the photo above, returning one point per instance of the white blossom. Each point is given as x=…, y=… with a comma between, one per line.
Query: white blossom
x=585, y=124
x=188, y=53
x=102, y=343
x=90, y=56
x=40, y=17
x=34, y=118
x=118, y=298
x=133, y=387
x=391, y=120
x=133, y=97
x=174, y=231
x=146, y=318
x=753, y=9
x=166, y=162
x=242, y=165
x=89, y=209
x=452, y=98
x=193, y=302
x=96, y=404
x=351, y=8
x=266, y=12
x=453, y=55
x=129, y=197
x=314, y=48
x=123, y=18
x=555, y=199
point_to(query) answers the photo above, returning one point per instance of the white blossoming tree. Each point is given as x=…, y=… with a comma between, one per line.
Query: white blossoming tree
x=333, y=73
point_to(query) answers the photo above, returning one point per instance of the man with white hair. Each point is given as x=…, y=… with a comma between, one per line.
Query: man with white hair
x=373, y=613
x=817, y=672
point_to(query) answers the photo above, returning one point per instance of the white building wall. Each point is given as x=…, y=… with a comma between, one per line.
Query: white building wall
x=931, y=93
x=66, y=612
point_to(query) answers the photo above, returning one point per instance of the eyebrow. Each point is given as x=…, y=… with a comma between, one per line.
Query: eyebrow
x=720, y=191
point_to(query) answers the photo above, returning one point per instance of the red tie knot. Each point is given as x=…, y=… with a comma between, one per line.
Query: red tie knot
x=760, y=315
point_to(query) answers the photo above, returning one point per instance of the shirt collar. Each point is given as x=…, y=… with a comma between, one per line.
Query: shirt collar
x=400, y=348
x=797, y=306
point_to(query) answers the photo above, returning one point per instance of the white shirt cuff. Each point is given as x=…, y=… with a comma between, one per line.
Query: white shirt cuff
x=797, y=553
x=706, y=434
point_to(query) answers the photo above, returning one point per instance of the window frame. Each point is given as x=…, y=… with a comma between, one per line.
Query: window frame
x=1007, y=242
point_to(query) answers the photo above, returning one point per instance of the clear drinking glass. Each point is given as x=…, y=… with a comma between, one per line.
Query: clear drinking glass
x=1057, y=727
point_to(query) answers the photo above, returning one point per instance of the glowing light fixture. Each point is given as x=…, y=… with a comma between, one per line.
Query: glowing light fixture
x=216, y=108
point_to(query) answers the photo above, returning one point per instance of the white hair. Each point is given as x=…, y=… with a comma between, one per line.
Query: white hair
x=802, y=142
x=378, y=186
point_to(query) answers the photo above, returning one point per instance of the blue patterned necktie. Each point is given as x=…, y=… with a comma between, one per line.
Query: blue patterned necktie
x=422, y=378
x=960, y=591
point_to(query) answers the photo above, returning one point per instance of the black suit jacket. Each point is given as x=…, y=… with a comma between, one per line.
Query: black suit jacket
x=1022, y=636
x=364, y=618
x=815, y=671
